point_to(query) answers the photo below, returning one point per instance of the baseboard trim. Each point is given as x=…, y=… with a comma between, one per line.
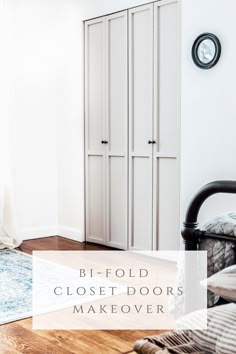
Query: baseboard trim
x=71, y=233
x=41, y=232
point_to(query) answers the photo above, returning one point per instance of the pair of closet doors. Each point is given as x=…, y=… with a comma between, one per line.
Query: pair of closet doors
x=132, y=128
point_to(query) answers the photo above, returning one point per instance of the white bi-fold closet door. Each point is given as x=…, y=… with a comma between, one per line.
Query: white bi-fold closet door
x=166, y=103
x=154, y=126
x=131, y=105
x=141, y=126
x=106, y=128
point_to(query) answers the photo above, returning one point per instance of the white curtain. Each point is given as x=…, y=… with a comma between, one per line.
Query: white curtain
x=8, y=234
x=8, y=229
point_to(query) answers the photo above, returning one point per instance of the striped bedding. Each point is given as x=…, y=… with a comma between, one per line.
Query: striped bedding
x=219, y=338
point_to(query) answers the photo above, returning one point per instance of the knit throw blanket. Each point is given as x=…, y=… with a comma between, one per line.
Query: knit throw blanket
x=177, y=342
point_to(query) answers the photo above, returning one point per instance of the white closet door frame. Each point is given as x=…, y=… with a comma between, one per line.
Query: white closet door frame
x=88, y=152
x=112, y=154
x=157, y=154
x=148, y=154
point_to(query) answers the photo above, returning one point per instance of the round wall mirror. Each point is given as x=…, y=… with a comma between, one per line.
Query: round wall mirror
x=206, y=50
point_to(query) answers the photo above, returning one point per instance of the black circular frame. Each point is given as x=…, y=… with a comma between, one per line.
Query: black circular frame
x=195, y=47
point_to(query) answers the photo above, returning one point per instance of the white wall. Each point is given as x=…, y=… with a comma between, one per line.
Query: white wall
x=44, y=58
x=208, y=143
x=36, y=103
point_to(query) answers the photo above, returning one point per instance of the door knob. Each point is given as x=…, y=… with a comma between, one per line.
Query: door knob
x=104, y=142
x=149, y=141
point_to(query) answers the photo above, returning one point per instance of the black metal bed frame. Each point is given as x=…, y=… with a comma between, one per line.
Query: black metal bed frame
x=190, y=231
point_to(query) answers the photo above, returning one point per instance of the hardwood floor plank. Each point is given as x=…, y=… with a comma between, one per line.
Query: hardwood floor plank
x=112, y=341
x=17, y=339
x=131, y=336
x=74, y=341
x=122, y=341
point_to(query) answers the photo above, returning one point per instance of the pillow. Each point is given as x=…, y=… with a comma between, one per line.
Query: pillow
x=219, y=338
x=223, y=283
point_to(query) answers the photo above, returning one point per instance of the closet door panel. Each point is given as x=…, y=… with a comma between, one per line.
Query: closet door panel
x=117, y=129
x=117, y=203
x=95, y=208
x=95, y=129
x=94, y=83
x=167, y=93
x=141, y=74
x=141, y=204
x=168, y=210
x=140, y=126
x=117, y=66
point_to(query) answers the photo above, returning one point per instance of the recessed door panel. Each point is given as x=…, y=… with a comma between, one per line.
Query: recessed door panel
x=141, y=76
x=141, y=204
x=117, y=203
x=95, y=209
x=117, y=71
x=168, y=205
x=95, y=83
x=167, y=92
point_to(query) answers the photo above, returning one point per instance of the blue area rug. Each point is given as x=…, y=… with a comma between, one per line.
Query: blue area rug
x=16, y=291
x=15, y=286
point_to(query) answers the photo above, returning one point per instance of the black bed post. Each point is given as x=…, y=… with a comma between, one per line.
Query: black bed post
x=190, y=225
x=189, y=235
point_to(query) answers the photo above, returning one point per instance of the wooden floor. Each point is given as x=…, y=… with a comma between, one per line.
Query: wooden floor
x=18, y=337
